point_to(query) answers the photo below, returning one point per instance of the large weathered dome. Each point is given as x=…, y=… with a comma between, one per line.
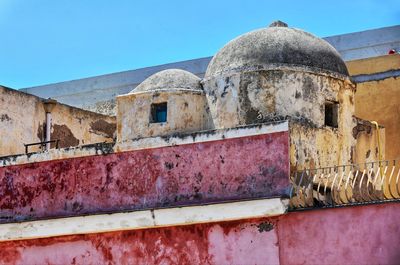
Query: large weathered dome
x=276, y=47
x=169, y=79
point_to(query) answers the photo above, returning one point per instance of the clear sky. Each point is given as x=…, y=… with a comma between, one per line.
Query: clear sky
x=48, y=41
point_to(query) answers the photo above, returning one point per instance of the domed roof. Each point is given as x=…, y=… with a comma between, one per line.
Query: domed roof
x=169, y=79
x=275, y=47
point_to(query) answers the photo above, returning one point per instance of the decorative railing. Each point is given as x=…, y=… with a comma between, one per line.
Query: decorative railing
x=345, y=185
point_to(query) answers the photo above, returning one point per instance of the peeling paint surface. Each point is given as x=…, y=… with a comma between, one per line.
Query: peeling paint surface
x=230, y=169
x=145, y=143
x=352, y=235
x=146, y=219
x=224, y=243
x=23, y=117
x=255, y=96
x=186, y=112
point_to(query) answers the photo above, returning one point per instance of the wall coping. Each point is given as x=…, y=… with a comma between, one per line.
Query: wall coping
x=145, y=219
x=146, y=143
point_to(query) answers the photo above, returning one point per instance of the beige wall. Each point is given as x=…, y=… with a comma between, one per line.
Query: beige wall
x=186, y=112
x=22, y=121
x=380, y=100
x=251, y=97
x=327, y=147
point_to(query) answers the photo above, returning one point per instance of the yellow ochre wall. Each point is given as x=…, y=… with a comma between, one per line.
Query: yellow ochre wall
x=380, y=100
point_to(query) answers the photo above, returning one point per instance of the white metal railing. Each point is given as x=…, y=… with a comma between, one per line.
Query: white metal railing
x=342, y=185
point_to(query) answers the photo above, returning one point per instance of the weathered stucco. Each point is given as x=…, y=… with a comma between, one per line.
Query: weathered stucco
x=229, y=169
x=256, y=96
x=169, y=79
x=22, y=121
x=379, y=100
x=145, y=143
x=253, y=97
x=277, y=46
x=261, y=116
x=353, y=235
x=144, y=219
x=313, y=148
x=106, y=107
x=17, y=122
x=186, y=112
x=367, y=148
x=224, y=243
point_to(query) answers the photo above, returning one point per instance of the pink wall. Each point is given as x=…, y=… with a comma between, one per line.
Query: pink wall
x=247, y=167
x=225, y=243
x=352, y=235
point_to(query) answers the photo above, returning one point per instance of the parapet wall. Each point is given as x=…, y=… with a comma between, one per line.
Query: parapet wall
x=205, y=167
x=23, y=117
x=352, y=235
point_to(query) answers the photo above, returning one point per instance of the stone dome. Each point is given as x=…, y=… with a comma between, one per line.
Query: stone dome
x=274, y=47
x=169, y=79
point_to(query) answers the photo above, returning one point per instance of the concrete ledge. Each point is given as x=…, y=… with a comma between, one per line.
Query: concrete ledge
x=144, y=219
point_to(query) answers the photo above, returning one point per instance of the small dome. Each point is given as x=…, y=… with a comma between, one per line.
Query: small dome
x=274, y=47
x=169, y=79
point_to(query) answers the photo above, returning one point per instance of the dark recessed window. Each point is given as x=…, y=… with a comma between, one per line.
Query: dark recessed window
x=158, y=112
x=331, y=114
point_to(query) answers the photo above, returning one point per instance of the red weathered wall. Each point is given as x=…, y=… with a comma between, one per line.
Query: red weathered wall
x=352, y=235
x=247, y=167
x=225, y=243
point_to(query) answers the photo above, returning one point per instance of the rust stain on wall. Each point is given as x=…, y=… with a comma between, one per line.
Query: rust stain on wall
x=287, y=239
x=40, y=131
x=64, y=135
x=103, y=128
x=221, y=243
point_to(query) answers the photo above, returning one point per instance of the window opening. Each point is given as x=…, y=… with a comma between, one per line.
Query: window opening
x=158, y=112
x=331, y=114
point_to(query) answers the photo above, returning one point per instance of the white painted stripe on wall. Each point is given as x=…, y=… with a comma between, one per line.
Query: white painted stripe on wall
x=144, y=219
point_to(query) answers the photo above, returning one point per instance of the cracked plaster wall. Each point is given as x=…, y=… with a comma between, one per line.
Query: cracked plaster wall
x=22, y=120
x=186, y=112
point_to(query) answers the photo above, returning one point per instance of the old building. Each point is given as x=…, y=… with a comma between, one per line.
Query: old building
x=212, y=169
x=170, y=101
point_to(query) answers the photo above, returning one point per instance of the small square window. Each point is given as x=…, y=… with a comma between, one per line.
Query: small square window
x=158, y=112
x=331, y=114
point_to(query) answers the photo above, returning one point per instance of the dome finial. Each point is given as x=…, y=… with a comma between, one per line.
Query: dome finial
x=278, y=23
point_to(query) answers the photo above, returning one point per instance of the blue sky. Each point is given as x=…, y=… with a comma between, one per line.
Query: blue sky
x=48, y=41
